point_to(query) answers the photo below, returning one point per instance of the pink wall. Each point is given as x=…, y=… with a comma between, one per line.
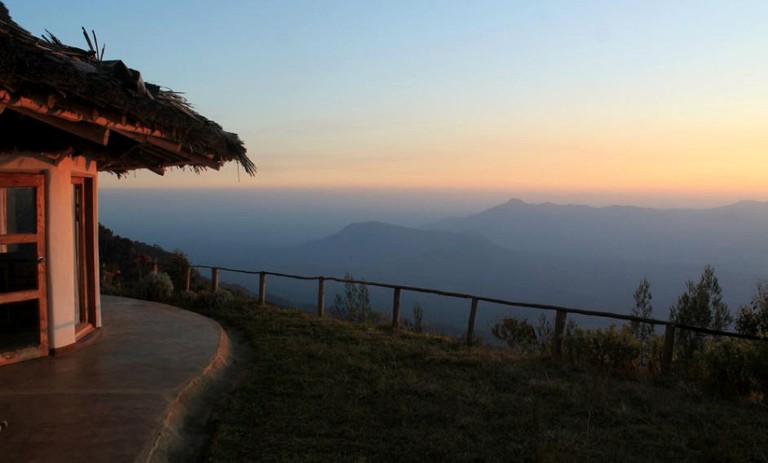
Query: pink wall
x=60, y=253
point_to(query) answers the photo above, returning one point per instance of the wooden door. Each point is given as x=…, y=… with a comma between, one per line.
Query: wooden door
x=23, y=307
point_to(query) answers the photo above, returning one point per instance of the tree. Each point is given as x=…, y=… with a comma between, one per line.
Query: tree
x=753, y=319
x=642, y=309
x=418, y=318
x=701, y=306
x=354, y=305
x=712, y=293
x=176, y=268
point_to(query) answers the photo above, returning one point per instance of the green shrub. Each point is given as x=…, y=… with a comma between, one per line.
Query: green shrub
x=417, y=323
x=176, y=267
x=355, y=304
x=545, y=332
x=612, y=349
x=218, y=299
x=753, y=319
x=111, y=290
x=156, y=287
x=652, y=350
x=738, y=367
x=517, y=333
x=188, y=297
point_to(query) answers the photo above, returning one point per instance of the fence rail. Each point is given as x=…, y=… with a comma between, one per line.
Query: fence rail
x=560, y=318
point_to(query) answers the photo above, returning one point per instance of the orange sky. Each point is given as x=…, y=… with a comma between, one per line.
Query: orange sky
x=558, y=100
x=688, y=157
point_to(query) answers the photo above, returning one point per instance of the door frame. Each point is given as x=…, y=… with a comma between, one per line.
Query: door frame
x=84, y=260
x=37, y=181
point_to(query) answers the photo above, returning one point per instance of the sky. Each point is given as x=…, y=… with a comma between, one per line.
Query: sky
x=641, y=102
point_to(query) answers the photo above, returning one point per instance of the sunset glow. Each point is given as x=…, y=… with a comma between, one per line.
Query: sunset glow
x=639, y=101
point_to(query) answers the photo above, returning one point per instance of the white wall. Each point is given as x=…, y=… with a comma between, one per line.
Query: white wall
x=60, y=252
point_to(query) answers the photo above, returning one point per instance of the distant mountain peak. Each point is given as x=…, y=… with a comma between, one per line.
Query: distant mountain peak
x=516, y=202
x=518, y=205
x=747, y=204
x=511, y=205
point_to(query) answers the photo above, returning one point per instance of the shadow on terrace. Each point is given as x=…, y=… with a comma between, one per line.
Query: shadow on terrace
x=121, y=396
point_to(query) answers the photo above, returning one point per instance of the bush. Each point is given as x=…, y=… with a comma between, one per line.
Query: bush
x=612, y=349
x=545, y=333
x=214, y=299
x=651, y=354
x=737, y=366
x=517, y=333
x=177, y=267
x=156, y=287
x=355, y=304
x=188, y=297
x=417, y=324
x=111, y=290
x=753, y=319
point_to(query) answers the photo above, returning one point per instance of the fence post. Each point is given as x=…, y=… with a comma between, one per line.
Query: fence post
x=262, y=288
x=154, y=266
x=189, y=277
x=669, y=349
x=471, y=323
x=396, y=309
x=214, y=279
x=557, y=339
x=321, y=297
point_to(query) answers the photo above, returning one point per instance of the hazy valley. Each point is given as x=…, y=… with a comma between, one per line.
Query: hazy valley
x=567, y=255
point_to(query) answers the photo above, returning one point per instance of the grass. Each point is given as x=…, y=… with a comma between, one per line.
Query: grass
x=326, y=390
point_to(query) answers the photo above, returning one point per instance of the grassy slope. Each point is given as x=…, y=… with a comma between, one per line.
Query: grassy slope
x=325, y=390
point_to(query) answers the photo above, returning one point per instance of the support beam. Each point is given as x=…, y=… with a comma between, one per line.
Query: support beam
x=321, y=297
x=396, y=309
x=74, y=113
x=214, y=279
x=95, y=134
x=161, y=143
x=262, y=288
x=158, y=170
x=471, y=322
x=170, y=147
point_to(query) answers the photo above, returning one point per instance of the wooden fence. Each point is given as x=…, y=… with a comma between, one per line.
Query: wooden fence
x=561, y=313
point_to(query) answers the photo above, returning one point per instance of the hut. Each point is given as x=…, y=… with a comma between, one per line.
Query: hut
x=67, y=114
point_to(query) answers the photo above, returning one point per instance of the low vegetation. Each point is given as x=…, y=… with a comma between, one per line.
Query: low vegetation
x=331, y=390
x=725, y=365
x=352, y=389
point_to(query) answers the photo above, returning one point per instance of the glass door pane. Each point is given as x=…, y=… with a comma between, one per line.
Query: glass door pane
x=19, y=325
x=17, y=210
x=23, y=307
x=18, y=267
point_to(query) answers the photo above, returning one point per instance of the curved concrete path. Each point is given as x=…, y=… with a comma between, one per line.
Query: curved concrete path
x=120, y=397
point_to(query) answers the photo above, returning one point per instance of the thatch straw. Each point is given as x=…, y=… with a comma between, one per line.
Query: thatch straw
x=81, y=81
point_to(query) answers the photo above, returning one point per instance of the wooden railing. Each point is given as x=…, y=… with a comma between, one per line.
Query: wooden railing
x=561, y=312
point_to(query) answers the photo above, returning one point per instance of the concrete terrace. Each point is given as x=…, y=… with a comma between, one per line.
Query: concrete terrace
x=121, y=396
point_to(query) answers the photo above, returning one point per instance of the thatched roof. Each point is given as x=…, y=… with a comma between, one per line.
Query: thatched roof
x=61, y=100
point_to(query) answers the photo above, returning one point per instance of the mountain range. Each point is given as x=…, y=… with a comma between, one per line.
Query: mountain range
x=732, y=236
x=571, y=255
